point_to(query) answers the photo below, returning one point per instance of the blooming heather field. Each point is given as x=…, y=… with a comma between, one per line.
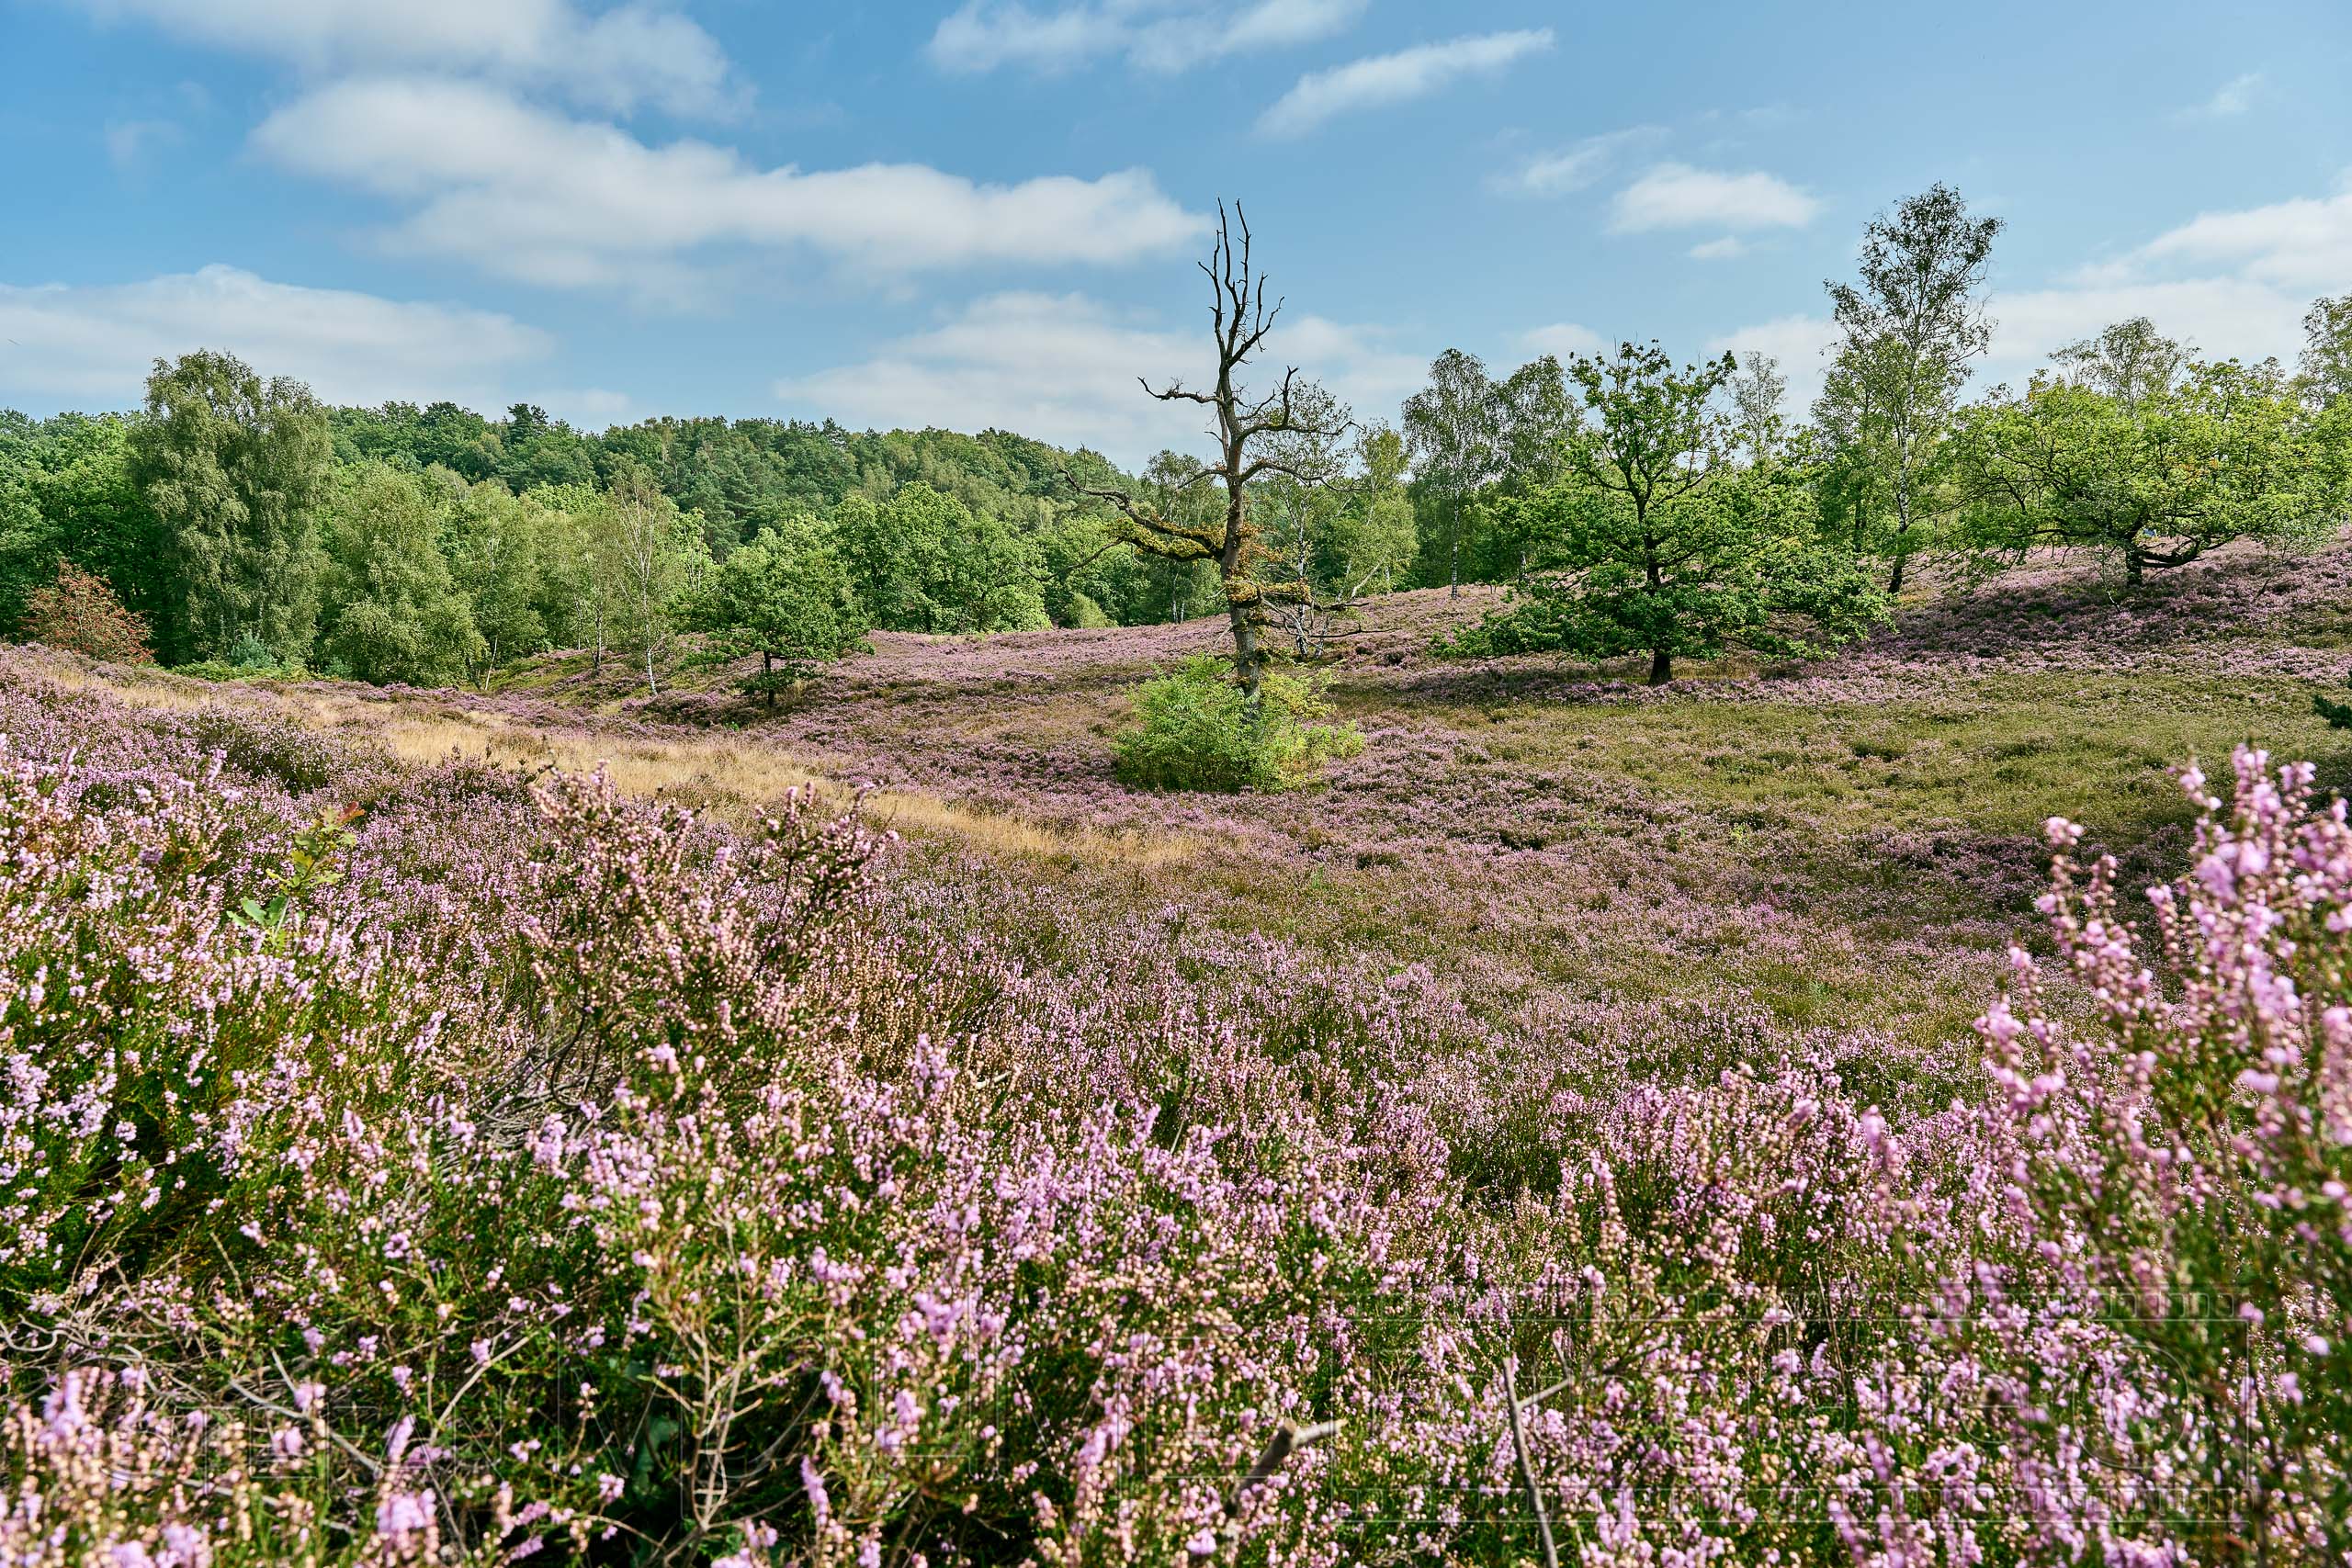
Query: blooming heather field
x=419, y=1145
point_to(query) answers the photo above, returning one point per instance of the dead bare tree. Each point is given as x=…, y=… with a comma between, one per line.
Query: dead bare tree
x=1241, y=315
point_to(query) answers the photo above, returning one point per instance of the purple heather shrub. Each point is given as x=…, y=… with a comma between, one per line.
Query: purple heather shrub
x=517, y=1167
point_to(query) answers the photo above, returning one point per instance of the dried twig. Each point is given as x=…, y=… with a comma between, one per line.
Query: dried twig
x=1287, y=1440
x=1526, y=1466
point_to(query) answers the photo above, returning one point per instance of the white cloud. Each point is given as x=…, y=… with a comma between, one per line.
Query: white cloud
x=2305, y=243
x=614, y=60
x=1676, y=195
x=2233, y=284
x=2236, y=284
x=1063, y=369
x=1799, y=344
x=985, y=35
x=1380, y=80
x=1570, y=168
x=536, y=195
x=1563, y=339
x=2233, y=97
x=2221, y=317
x=1728, y=248
x=94, y=345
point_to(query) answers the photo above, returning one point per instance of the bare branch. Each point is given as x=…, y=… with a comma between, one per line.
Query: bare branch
x=1287, y=1440
x=1526, y=1465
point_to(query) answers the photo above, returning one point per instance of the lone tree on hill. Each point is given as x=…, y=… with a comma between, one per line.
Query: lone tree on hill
x=1653, y=541
x=1241, y=316
x=784, y=597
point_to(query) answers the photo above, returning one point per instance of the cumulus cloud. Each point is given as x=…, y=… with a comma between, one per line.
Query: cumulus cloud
x=1799, y=344
x=1572, y=168
x=1063, y=369
x=1676, y=195
x=985, y=35
x=614, y=60
x=1729, y=248
x=518, y=190
x=92, y=345
x=1381, y=80
x=2235, y=283
x=2305, y=243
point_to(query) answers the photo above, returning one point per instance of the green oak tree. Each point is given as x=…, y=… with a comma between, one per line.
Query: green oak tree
x=1653, y=543
x=2226, y=452
x=784, y=597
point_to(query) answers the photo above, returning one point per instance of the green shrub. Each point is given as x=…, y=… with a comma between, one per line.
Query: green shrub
x=1199, y=731
x=249, y=660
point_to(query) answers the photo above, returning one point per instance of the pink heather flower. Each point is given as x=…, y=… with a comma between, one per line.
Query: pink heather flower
x=820, y=1504
x=1202, y=1544
x=404, y=1514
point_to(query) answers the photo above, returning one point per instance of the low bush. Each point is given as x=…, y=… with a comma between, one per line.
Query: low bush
x=79, y=613
x=1199, y=730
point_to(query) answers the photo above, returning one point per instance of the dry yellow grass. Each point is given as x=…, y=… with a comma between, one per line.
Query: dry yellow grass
x=726, y=777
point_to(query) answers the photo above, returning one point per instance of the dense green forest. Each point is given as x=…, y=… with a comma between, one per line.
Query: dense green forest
x=248, y=526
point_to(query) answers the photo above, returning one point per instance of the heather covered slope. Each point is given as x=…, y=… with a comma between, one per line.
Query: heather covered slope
x=1860, y=831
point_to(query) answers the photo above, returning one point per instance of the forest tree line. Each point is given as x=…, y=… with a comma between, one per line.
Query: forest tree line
x=1636, y=505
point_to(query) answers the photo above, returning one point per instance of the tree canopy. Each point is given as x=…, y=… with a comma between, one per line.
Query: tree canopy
x=1655, y=543
x=2147, y=475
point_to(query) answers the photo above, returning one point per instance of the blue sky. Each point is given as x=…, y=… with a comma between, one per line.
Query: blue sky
x=974, y=214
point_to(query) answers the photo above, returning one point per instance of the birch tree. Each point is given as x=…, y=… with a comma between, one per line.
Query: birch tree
x=1907, y=329
x=1452, y=428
